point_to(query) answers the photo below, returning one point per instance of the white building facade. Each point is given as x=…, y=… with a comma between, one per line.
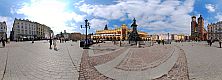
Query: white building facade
x=25, y=29
x=3, y=30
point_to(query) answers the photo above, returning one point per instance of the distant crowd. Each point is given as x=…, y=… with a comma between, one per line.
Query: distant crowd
x=211, y=41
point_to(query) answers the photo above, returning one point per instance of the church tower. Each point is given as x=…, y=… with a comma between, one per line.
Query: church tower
x=194, y=32
x=201, y=27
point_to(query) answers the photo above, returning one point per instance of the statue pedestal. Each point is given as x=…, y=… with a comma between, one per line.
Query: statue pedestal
x=138, y=44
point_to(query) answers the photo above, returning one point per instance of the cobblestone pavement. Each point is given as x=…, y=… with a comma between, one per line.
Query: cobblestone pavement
x=27, y=61
x=88, y=71
x=102, y=48
x=139, y=59
x=180, y=69
x=204, y=62
x=97, y=60
x=3, y=60
x=109, y=68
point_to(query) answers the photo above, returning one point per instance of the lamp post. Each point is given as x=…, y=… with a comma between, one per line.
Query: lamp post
x=86, y=26
x=168, y=38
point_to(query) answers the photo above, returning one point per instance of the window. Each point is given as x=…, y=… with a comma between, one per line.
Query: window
x=30, y=32
x=18, y=26
x=18, y=30
x=26, y=32
x=22, y=32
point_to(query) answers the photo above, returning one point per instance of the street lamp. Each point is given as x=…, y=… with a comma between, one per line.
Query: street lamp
x=168, y=40
x=86, y=26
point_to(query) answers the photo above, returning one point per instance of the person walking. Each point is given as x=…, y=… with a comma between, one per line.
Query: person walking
x=163, y=42
x=50, y=43
x=3, y=42
x=158, y=41
x=220, y=41
x=211, y=41
x=33, y=40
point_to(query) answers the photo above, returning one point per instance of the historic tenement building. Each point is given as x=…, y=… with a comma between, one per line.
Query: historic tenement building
x=215, y=30
x=198, y=32
x=120, y=33
x=3, y=30
x=28, y=30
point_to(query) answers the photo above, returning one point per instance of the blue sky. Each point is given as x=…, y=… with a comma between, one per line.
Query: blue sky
x=153, y=16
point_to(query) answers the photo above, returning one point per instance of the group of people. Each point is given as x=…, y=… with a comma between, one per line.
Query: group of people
x=52, y=42
x=210, y=42
x=161, y=41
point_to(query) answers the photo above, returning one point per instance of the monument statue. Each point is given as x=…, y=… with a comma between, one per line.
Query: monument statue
x=133, y=35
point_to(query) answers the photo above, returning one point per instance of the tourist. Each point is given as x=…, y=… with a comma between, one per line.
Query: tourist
x=211, y=41
x=208, y=42
x=158, y=41
x=220, y=42
x=50, y=43
x=3, y=42
x=163, y=42
x=33, y=40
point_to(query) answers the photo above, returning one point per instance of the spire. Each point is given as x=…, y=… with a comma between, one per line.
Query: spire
x=106, y=27
x=200, y=18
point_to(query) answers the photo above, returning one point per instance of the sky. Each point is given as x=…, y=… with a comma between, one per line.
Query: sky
x=153, y=16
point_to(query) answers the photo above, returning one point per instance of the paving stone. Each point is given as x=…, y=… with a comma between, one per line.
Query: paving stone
x=36, y=61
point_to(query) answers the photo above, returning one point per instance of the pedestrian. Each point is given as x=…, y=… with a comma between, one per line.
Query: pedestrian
x=211, y=42
x=54, y=44
x=50, y=43
x=163, y=42
x=220, y=41
x=3, y=42
x=208, y=42
x=158, y=41
x=33, y=40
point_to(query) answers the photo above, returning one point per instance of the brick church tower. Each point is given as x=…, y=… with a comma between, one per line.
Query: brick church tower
x=194, y=25
x=201, y=27
x=198, y=31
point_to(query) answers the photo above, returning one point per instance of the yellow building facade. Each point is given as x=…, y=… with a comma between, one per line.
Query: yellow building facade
x=120, y=33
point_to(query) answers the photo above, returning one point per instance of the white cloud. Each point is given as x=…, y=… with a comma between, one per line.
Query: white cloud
x=9, y=23
x=52, y=13
x=210, y=7
x=156, y=15
x=219, y=16
x=98, y=24
x=80, y=2
x=103, y=11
